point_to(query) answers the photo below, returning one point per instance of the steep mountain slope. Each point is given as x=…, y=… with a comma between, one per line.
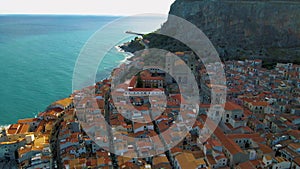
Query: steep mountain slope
x=268, y=29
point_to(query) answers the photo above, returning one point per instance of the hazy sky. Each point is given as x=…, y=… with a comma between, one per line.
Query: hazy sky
x=98, y=7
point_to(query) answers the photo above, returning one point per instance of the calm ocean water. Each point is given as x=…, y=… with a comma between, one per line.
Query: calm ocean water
x=38, y=54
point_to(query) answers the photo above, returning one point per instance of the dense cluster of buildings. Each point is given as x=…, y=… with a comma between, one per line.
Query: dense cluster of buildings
x=27, y=144
x=147, y=123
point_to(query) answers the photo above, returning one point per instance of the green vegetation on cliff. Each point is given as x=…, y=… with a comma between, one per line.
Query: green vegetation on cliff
x=263, y=29
x=165, y=42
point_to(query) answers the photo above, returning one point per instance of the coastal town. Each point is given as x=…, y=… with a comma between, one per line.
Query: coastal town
x=147, y=123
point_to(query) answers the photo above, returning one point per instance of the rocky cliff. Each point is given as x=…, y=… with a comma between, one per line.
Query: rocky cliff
x=268, y=29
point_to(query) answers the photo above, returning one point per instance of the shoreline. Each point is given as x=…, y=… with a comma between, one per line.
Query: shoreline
x=126, y=53
x=127, y=56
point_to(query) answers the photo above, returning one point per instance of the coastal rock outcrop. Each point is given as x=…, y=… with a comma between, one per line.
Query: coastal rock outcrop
x=266, y=29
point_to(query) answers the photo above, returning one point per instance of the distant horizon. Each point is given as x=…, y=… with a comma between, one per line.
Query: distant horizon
x=89, y=7
x=26, y=14
x=108, y=15
x=78, y=14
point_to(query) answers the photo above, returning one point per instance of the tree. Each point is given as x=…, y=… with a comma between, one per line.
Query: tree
x=139, y=81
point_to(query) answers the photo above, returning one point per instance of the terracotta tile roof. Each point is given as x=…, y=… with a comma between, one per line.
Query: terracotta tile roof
x=219, y=157
x=132, y=81
x=247, y=112
x=214, y=143
x=230, y=145
x=153, y=78
x=198, y=124
x=294, y=133
x=29, y=120
x=295, y=146
x=232, y=106
x=160, y=159
x=260, y=103
x=24, y=129
x=148, y=133
x=100, y=103
x=14, y=128
x=246, y=165
x=208, y=146
x=163, y=125
x=238, y=136
x=141, y=108
x=147, y=89
x=64, y=102
x=265, y=149
x=256, y=163
x=138, y=125
x=211, y=160
x=207, y=106
x=176, y=150
x=186, y=160
x=259, y=139
x=297, y=161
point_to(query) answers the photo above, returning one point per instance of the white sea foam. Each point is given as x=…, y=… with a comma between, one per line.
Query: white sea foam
x=127, y=55
x=4, y=126
x=119, y=49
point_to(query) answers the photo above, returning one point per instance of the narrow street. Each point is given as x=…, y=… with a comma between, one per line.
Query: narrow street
x=109, y=131
x=54, y=144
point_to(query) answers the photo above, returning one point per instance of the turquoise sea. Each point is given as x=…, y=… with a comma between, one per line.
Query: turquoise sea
x=38, y=54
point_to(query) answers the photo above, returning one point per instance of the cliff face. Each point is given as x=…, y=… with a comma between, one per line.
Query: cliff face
x=268, y=29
